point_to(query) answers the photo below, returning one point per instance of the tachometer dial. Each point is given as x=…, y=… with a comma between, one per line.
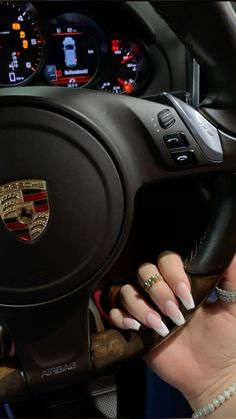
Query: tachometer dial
x=72, y=52
x=21, y=45
x=129, y=67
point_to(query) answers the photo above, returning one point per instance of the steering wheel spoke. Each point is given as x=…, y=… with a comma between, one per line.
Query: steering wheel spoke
x=52, y=344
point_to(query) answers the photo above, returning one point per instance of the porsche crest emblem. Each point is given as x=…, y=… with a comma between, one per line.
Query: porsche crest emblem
x=24, y=208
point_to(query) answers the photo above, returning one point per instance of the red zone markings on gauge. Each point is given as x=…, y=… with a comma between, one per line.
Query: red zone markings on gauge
x=21, y=230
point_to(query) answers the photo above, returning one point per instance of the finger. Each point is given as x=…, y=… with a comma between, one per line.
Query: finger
x=139, y=309
x=160, y=292
x=228, y=281
x=122, y=320
x=172, y=269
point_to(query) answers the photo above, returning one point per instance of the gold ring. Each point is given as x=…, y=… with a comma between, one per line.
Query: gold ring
x=148, y=283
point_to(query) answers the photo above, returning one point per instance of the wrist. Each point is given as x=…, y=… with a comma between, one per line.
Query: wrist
x=211, y=390
x=220, y=406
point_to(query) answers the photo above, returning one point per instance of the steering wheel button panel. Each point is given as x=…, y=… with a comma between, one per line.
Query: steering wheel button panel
x=166, y=118
x=166, y=140
x=175, y=140
x=184, y=158
x=205, y=134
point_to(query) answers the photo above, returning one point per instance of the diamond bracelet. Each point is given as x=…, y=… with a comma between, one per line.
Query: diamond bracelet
x=229, y=296
x=215, y=403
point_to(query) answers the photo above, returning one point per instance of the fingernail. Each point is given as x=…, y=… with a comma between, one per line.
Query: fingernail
x=131, y=323
x=174, y=313
x=156, y=324
x=185, y=296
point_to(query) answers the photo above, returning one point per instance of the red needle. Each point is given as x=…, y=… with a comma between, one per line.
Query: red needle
x=126, y=59
x=127, y=86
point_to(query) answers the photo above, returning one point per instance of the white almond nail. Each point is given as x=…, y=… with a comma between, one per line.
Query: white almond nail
x=156, y=324
x=131, y=323
x=185, y=296
x=172, y=310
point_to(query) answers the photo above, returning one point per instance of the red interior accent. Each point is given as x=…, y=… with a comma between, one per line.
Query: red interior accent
x=97, y=299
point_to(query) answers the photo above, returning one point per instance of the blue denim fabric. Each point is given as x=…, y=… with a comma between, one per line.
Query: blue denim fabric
x=163, y=400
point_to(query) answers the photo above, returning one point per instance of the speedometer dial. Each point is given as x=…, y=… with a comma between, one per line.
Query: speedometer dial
x=129, y=67
x=21, y=45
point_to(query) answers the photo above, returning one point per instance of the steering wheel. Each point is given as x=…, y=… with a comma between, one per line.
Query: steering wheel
x=71, y=165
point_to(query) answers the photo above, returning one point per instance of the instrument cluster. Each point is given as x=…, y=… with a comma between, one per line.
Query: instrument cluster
x=67, y=48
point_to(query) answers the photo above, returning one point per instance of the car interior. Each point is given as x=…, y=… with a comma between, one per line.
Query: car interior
x=117, y=139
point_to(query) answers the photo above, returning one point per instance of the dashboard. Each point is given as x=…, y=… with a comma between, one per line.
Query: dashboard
x=107, y=46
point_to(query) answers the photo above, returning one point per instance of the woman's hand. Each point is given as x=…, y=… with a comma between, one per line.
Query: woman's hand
x=200, y=359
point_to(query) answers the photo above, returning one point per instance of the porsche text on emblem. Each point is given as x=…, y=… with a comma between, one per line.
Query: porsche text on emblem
x=24, y=208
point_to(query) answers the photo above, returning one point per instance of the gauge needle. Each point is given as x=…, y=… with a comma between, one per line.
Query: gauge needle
x=127, y=86
x=126, y=59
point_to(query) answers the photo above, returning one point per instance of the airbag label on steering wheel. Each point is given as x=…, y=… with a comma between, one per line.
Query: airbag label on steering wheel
x=59, y=369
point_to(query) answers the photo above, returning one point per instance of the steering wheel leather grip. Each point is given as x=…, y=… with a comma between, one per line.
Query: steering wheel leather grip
x=113, y=149
x=215, y=251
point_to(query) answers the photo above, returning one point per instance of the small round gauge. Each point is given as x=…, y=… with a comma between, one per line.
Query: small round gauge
x=129, y=67
x=21, y=45
x=72, y=52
